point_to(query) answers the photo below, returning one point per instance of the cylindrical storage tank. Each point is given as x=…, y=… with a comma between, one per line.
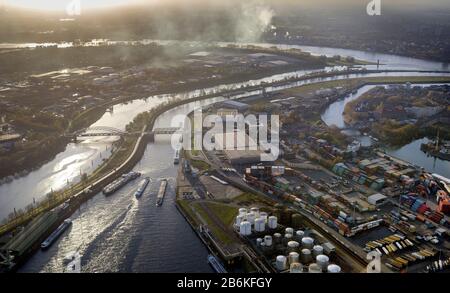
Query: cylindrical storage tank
x=264, y=215
x=306, y=256
x=259, y=241
x=307, y=242
x=295, y=268
x=242, y=211
x=289, y=231
x=293, y=246
x=294, y=257
x=255, y=211
x=322, y=261
x=287, y=238
x=281, y=262
x=245, y=228
x=268, y=240
x=251, y=218
x=317, y=250
x=260, y=225
x=314, y=268
x=239, y=219
x=299, y=234
x=334, y=269
x=296, y=220
x=277, y=238
x=273, y=222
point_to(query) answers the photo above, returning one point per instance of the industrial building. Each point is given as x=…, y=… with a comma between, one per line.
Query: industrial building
x=241, y=107
x=238, y=147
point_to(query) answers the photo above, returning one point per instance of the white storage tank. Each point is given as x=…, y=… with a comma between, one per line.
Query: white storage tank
x=259, y=241
x=317, y=250
x=293, y=246
x=268, y=240
x=245, y=228
x=295, y=268
x=322, y=261
x=287, y=238
x=273, y=222
x=255, y=211
x=334, y=269
x=264, y=215
x=314, y=268
x=277, y=238
x=251, y=218
x=307, y=242
x=281, y=263
x=306, y=256
x=294, y=257
x=260, y=225
x=239, y=219
x=242, y=211
x=299, y=235
x=289, y=231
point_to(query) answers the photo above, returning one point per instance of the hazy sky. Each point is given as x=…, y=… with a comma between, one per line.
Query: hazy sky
x=87, y=4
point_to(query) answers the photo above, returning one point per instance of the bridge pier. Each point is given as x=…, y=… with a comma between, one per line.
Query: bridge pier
x=151, y=136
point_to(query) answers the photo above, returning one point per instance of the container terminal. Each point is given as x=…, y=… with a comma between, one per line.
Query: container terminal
x=161, y=192
x=142, y=186
x=331, y=206
x=120, y=182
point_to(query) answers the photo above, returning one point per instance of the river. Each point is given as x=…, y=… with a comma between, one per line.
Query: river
x=410, y=152
x=120, y=233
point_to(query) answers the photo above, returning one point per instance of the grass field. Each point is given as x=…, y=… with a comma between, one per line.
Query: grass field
x=218, y=217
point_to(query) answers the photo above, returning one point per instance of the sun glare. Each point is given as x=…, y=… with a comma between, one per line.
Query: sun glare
x=60, y=5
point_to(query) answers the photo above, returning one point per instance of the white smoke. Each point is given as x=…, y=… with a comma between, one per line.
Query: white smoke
x=254, y=18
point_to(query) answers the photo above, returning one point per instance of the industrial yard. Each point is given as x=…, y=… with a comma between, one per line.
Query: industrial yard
x=200, y=137
x=320, y=207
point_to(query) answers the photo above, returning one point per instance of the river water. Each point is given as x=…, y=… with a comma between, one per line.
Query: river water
x=120, y=233
x=410, y=152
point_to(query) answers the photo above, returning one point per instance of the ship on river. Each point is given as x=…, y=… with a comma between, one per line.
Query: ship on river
x=120, y=182
x=142, y=186
x=438, y=149
x=161, y=192
x=63, y=227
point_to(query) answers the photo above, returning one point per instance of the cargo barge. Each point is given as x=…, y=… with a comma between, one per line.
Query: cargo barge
x=161, y=192
x=216, y=265
x=176, y=158
x=55, y=235
x=434, y=149
x=142, y=186
x=120, y=182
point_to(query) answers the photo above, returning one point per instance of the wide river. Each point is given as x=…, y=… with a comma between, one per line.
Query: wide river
x=121, y=233
x=411, y=152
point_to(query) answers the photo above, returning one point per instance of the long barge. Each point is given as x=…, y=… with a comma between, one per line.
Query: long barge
x=161, y=192
x=216, y=265
x=120, y=182
x=142, y=186
x=55, y=235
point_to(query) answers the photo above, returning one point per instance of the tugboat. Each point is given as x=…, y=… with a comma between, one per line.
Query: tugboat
x=438, y=149
x=161, y=192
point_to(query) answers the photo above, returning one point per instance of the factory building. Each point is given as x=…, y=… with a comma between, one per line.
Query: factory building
x=238, y=147
x=241, y=107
